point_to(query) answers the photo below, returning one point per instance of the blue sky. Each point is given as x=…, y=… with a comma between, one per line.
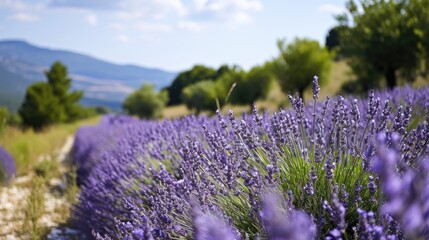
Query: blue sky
x=168, y=34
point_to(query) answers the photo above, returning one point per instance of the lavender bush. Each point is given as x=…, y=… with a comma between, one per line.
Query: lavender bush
x=340, y=168
x=7, y=166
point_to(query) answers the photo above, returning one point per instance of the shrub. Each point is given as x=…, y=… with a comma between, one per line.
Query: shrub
x=146, y=103
x=4, y=116
x=201, y=96
x=296, y=60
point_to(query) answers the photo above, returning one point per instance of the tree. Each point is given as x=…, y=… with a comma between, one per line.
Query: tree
x=384, y=38
x=61, y=85
x=201, y=96
x=419, y=20
x=41, y=107
x=146, y=103
x=52, y=101
x=298, y=61
x=252, y=85
x=196, y=74
x=333, y=39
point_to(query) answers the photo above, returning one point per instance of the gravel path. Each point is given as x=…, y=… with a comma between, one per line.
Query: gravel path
x=13, y=201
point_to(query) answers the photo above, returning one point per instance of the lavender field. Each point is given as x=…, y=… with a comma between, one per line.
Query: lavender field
x=339, y=168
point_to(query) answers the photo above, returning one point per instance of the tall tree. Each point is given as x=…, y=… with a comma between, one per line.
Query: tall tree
x=52, y=101
x=384, y=37
x=41, y=107
x=60, y=83
x=298, y=62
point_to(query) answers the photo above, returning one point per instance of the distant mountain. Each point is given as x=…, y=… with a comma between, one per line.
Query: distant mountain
x=104, y=83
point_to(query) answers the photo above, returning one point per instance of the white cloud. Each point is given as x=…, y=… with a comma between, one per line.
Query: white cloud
x=122, y=38
x=92, y=20
x=242, y=17
x=19, y=5
x=118, y=26
x=152, y=27
x=332, y=9
x=229, y=11
x=190, y=26
x=145, y=9
x=24, y=17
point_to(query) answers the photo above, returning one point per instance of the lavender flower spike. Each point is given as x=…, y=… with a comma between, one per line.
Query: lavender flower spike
x=7, y=166
x=281, y=224
x=210, y=227
x=316, y=87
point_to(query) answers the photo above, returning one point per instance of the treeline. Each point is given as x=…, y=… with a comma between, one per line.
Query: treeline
x=383, y=41
x=48, y=102
x=203, y=88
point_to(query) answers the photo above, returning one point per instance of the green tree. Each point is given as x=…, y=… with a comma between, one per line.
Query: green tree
x=419, y=20
x=252, y=85
x=333, y=39
x=385, y=38
x=201, y=96
x=298, y=61
x=41, y=107
x=146, y=103
x=196, y=74
x=52, y=101
x=61, y=85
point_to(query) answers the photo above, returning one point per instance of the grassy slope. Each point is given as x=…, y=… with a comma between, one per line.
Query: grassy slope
x=27, y=146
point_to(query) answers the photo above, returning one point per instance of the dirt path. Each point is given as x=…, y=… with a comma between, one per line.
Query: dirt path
x=13, y=200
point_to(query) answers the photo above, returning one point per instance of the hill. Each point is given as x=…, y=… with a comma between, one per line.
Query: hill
x=104, y=83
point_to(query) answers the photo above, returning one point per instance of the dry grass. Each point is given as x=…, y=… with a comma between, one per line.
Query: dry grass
x=27, y=146
x=176, y=111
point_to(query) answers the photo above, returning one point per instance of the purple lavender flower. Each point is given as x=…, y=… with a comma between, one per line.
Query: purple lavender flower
x=283, y=224
x=144, y=173
x=210, y=227
x=316, y=88
x=7, y=166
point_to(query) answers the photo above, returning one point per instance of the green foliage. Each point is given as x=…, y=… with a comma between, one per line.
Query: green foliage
x=146, y=103
x=386, y=38
x=51, y=102
x=233, y=85
x=41, y=107
x=297, y=60
x=201, y=96
x=47, y=168
x=333, y=40
x=294, y=174
x=252, y=85
x=197, y=74
x=4, y=116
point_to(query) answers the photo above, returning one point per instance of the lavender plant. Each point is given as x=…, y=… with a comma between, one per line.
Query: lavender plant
x=214, y=178
x=7, y=166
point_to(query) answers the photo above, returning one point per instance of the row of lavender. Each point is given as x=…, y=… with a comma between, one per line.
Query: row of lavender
x=336, y=169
